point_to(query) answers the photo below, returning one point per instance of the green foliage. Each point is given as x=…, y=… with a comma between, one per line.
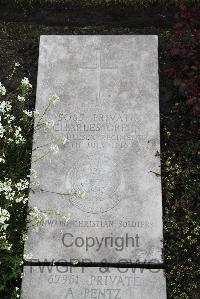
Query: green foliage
x=182, y=251
x=15, y=154
x=180, y=157
x=180, y=151
x=16, y=132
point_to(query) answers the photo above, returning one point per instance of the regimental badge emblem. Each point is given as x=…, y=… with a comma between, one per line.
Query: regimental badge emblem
x=97, y=179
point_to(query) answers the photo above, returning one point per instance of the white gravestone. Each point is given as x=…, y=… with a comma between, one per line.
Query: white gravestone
x=106, y=173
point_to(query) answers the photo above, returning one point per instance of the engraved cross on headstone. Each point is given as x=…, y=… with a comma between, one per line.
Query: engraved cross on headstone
x=98, y=68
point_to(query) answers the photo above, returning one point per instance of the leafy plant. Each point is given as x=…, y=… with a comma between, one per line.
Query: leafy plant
x=16, y=124
x=180, y=171
x=16, y=130
x=180, y=156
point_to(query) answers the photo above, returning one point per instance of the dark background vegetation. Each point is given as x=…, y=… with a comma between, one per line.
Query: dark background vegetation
x=21, y=24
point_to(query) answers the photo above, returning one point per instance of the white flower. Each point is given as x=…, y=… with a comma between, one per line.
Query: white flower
x=36, y=112
x=64, y=140
x=49, y=123
x=38, y=216
x=19, y=199
x=17, y=292
x=2, y=131
x=10, y=140
x=33, y=173
x=54, y=99
x=2, y=158
x=35, y=184
x=7, y=190
x=28, y=113
x=25, y=200
x=23, y=184
x=6, y=185
x=2, y=90
x=28, y=256
x=10, y=118
x=17, y=64
x=4, y=244
x=18, y=136
x=10, y=195
x=4, y=215
x=66, y=217
x=25, y=83
x=21, y=99
x=25, y=237
x=9, y=246
x=54, y=148
x=3, y=236
x=81, y=193
x=5, y=106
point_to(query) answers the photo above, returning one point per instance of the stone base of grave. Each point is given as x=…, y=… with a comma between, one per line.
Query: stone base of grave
x=66, y=282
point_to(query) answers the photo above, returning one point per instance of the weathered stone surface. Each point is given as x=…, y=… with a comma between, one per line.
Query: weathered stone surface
x=93, y=283
x=109, y=117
